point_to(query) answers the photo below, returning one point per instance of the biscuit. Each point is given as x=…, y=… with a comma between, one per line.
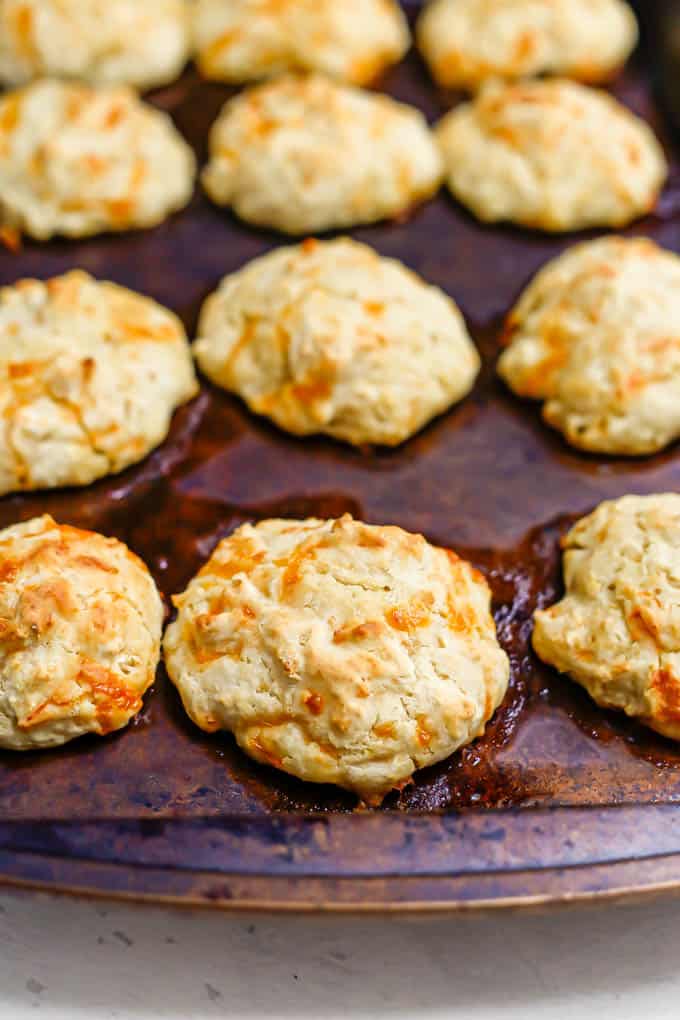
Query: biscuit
x=248, y=39
x=90, y=374
x=139, y=42
x=80, y=630
x=551, y=155
x=596, y=336
x=337, y=651
x=468, y=42
x=76, y=161
x=617, y=630
x=328, y=337
x=305, y=154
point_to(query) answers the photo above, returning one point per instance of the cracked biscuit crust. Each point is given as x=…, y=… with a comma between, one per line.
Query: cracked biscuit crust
x=596, y=336
x=467, y=42
x=139, y=42
x=329, y=337
x=90, y=375
x=305, y=154
x=77, y=161
x=617, y=630
x=80, y=629
x=337, y=651
x=551, y=155
x=248, y=39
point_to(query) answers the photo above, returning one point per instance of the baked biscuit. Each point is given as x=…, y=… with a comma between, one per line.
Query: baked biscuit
x=596, y=336
x=551, y=155
x=617, y=630
x=77, y=161
x=339, y=652
x=468, y=42
x=80, y=630
x=330, y=337
x=305, y=154
x=90, y=374
x=138, y=42
x=248, y=39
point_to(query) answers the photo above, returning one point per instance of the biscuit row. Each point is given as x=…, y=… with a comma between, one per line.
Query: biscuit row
x=464, y=42
x=336, y=651
x=305, y=154
x=328, y=337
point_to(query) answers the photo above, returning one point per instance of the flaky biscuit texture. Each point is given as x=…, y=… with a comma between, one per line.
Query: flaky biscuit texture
x=596, y=336
x=303, y=154
x=468, y=42
x=329, y=337
x=337, y=651
x=90, y=375
x=551, y=155
x=617, y=630
x=80, y=628
x=144, y=43
x=244, y=40
x=77, y=160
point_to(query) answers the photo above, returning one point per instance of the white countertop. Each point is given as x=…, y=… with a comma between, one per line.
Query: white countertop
x=68, y=959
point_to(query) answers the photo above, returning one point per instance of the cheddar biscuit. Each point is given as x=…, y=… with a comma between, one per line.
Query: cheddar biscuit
x=90, y=374
x=76, y=161
x=329, y=337
x=551, y=155
x=337, y=651
x=305, y=154
x=617, y=630
x=137, y=42
x=248, y=39
x=80, y=630
x=468, y=42
x=596, y=336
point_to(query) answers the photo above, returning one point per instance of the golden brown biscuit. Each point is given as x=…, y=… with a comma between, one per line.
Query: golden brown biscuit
x=468, y=42
x=339, y=652
x=80, y=629
x=330, y=337
x=76, y=160
x=306, y=154
x=551, y=155
x=90, y=375
x=617, y=630
x=596, y=336
x=248, y=39
x=137, y=42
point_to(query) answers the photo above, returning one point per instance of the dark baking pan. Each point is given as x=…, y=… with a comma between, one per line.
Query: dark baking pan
x=559, y=801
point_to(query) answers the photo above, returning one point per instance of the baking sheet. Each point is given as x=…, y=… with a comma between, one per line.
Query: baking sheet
x=488, y=479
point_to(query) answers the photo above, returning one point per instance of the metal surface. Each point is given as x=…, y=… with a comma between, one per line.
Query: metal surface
x=660, y=22
x=558, y=801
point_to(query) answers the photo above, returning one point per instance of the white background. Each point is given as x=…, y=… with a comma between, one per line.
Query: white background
x=68, y=959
